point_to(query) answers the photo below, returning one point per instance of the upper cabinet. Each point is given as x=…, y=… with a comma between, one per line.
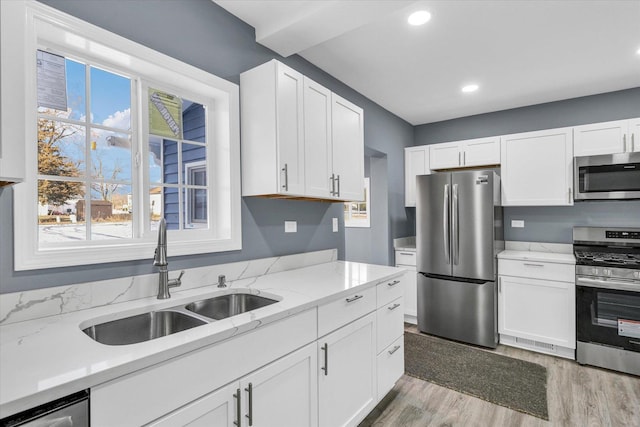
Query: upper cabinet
x=469, y=153
x=619, y=136
x=298, y=138
x=416, y=162
x=537, y=168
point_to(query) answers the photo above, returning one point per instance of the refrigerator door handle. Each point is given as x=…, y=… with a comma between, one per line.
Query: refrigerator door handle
x=445, y=223
x=455, y=241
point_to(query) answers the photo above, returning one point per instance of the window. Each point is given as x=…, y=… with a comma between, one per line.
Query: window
x=121, y=136
x=358, y=214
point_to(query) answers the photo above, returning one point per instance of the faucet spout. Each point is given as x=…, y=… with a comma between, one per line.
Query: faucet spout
x=160, y=261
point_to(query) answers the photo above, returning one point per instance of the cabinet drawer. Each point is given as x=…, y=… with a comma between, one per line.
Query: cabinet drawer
x=405, y=257
x=537, y=270
x=390, y=318
x=335, y=314
x=390, y=366
x=390, y=289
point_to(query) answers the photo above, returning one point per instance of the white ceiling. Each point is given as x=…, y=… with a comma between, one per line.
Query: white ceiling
x=519, y=52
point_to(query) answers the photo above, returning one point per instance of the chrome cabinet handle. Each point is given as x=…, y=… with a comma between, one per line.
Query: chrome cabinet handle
x=250, y=414
x=459, y=158
x=464, y=158
x=569, y=193
x=394, y=349
x=624, y=143
x=454, y=226
x=325, y=368
x=445, y=222
x=238, y=408
x=529, y=264
x=338, y=181
x=333, y=185
x=499, y=285
x=285, y=169
x=395, y=282
x=633, y=142
x=354, y=298
x=394, y=306
x=407, y=253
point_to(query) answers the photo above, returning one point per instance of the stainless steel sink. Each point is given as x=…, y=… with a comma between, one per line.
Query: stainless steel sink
x=228, y=305
x=143, y=327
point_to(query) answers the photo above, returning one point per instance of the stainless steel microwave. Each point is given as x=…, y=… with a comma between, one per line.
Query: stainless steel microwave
x=607, y=177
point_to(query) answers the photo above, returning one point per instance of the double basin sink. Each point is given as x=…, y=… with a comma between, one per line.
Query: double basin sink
x=160, y=323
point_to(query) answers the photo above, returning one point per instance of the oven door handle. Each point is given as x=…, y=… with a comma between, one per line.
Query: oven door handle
x=608, y=284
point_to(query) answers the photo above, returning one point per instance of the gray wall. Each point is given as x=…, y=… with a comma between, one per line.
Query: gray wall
x=206, y=36
x=548, y=224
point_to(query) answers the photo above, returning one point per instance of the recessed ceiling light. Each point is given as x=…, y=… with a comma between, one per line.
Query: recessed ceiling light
x=470, y=88
x=420, y=17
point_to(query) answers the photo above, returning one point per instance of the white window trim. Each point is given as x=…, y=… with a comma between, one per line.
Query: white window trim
x=31, y=19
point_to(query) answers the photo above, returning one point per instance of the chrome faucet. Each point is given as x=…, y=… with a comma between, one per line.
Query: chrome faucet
x=160, y=260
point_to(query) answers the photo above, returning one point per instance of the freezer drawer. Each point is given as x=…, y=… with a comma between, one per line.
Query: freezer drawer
x=457, y=310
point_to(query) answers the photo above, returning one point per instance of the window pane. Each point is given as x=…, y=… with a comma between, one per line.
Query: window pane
x=110, y=99
x=155, y=159
x=60, y=148
x=75, y=91
x=155, y=207
x=193, y=121
x=110, y=155
x=195, y=208
x=58, y=205
x=193, y=156
x=171, y=207
x=111, y=218
x=169, y=162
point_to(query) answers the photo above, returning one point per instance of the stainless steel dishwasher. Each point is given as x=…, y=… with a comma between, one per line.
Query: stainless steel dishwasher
x=69, y=411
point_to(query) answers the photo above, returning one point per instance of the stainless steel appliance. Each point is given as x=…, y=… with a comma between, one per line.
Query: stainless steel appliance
x=458, y=234
x=607, y=177
x=69, y=411
x=608, y=297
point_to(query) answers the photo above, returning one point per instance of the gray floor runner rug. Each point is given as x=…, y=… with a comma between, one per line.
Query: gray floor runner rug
x=505, y=381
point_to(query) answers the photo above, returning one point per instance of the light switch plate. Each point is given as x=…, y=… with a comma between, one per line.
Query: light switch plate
x=290, y=226
x=517, y=223
x=335, y=225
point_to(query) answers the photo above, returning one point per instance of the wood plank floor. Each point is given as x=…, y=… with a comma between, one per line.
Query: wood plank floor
x=577, y=396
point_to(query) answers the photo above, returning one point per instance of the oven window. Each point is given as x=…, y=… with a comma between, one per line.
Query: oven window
x=623, y=177
x=610, y=307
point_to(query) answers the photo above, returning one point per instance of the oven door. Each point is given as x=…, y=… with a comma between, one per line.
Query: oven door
x=615, y=176
x=608, y=312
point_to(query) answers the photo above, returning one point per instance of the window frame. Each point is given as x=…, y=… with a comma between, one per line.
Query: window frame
x=43, y=26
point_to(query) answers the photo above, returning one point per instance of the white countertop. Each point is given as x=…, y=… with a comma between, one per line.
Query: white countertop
x=47, y=358
x=559, y=258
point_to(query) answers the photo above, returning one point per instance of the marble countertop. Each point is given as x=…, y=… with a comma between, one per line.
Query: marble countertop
x=559, y=258
x=50, y=357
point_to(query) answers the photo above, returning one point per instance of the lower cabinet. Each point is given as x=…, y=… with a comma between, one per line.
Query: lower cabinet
x=283, y=393
x=347, y=371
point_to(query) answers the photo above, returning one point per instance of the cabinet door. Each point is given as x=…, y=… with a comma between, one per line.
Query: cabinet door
x=445, y=156
x=537, y=168
x=540, y=310
x=481, y=152
x=317, y=136
x=218, y=408
x=601, y=138
x=416, y=162
x=284, y=393
x=348, y=148
x=634, y=132
x=289, y=119
x=347, y=369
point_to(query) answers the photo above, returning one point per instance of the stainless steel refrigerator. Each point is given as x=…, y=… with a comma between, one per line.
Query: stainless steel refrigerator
x=458, y=235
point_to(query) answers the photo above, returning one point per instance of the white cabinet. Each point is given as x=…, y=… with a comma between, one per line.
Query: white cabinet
x=536, y=306
x=13, y=82
x=347, y=143
x=619, y=136
x=468, y=153
x=416, y=162
x=347, y=371
x=283, y=393
x=298, y=138
x=537, y=168
x=271, y=101
x=407, y=261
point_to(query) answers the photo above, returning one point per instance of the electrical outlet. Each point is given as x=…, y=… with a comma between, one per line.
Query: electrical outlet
x=290, y=227
x=517, y=223
x=335, y=225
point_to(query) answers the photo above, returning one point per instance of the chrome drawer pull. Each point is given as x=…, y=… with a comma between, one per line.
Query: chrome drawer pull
x=407, y=253
x=533, y=265
x=395, y=282
x=355, y=298
x=394, y=349
x=394, y=306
